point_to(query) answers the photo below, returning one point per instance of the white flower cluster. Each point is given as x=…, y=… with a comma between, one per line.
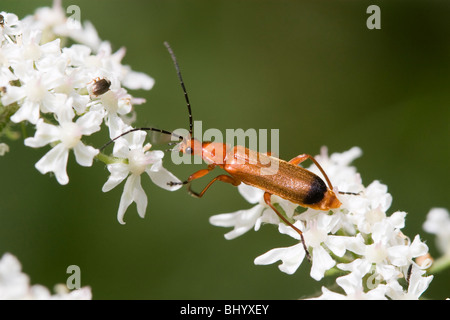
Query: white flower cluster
x=358, y=239
x=68, y=93
x=15, y=285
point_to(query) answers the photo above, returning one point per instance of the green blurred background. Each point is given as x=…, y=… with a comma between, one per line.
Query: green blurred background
x=309, y=68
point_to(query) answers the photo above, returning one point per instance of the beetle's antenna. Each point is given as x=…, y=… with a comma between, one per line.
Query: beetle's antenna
x=350, y=193
x=172, y=55
x=141, y=129
x=182, y=85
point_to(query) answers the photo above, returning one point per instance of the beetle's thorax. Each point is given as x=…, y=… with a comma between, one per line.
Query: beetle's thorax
x=211, y=152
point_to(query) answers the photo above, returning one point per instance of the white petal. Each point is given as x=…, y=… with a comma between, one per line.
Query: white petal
x=387, y=271
x=86, y=35
x=53, y=47
x=267, y=216
x=351, y=283
x=55, y=161
x=54, y=101
x=399, y=255
x=115, y=125
x=45, y=134
x=84, y=154
x=80, y=103
x=77, y=54
x=121, y=148
x=119, y=171
x=395, y=290
x=39, y=292
x=138, y=80
x=418, y=284
x=437, y=219
x=379, y=293
x=12, y=94
x=140, y=197
x=356, y=244
x=418, y=248
x=90, y=122
x=132, y=191
x=338, y=244
x=136, y=139
x=242, y=221
x=287, y=206
x=321, y=262
x=155, y=157
x=358, y=266
x=270, y=256
x=346, y=157
x=28, y=111
x=251, y=194
x=292, y=257
x=329, y=295
x=377, y=193
x=63, y=109
x=162, y=177
x=138, y=101
x=125, y=200
x=397, y=219
x=285, y=229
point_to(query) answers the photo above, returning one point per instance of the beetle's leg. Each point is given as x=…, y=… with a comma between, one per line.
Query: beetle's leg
x=267, y=199
x=300, y=158
x=222, y=177
x=195, y=175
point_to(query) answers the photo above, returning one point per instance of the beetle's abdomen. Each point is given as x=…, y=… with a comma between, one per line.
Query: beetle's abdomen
x=317, y=190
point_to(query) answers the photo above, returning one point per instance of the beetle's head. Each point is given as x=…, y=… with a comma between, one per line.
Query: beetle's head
x=191, y=146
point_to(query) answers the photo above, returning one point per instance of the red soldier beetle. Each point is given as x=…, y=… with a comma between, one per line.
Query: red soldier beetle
x=290, y=181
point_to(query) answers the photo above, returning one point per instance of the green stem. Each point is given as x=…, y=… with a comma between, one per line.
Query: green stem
x=440, y=264
x=109, y=159
x=334, y=271
x=24, y=130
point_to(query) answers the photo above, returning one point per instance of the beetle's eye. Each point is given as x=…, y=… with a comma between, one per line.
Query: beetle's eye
x=188, y=150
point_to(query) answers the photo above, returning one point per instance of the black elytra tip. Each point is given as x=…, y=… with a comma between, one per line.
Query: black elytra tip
x=316, y=191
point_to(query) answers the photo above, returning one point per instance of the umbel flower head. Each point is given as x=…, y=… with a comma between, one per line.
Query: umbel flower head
x=359, y=239
x=68, y=93
x=38, y=75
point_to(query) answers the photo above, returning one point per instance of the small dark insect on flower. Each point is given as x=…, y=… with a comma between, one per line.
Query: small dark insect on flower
x=100, y=86
x=2, y=20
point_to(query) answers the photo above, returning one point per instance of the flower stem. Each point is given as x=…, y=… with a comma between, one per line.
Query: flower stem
x=24, y=130
x=440, y=264
x=109, y=159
